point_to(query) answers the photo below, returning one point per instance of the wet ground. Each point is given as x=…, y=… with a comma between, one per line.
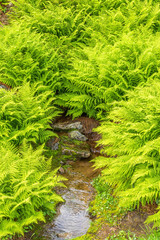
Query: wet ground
x=72, y=218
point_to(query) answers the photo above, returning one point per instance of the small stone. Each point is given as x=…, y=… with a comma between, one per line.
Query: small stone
x=55, y=146
x=61, y=170
x=63, y=235
x=62, y=163
x=3, y=87
x=68, y=126
x=77, y=136
x=53, y=143
x=10, y=4
x=76, y=153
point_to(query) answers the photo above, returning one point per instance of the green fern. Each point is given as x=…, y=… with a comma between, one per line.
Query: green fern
x=88, y=53
x=26, y=113
x=131, y=138
x=26, y=183
x=25, y=56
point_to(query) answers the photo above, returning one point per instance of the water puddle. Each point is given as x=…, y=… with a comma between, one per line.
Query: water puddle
x=73, y=219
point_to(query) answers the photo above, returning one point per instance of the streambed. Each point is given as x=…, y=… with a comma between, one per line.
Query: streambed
x=72, y=219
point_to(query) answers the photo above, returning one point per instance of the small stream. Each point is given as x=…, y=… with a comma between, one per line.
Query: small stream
x=73, y=219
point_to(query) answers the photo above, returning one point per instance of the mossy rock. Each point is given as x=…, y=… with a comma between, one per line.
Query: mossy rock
x=75, y=148
x=64, y=148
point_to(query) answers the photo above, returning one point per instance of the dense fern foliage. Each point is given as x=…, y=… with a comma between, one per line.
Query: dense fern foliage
x=88, y=53
x=26, y=188
x=25, y=56
x=131, y=138
x=26, y=179
x=25, y=114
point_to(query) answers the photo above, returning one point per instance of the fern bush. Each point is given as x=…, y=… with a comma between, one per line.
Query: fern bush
x=88, y=53
x=122, y=53
x=131, y=139
x=102, y=74
x=25, y=113
x=26, y=188
x=54, y=22
x=25, y=56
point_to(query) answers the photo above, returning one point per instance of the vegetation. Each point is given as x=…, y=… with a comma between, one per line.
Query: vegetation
x=26, y=178
x=89, y=53
x=26, y=192
x=100, y=58
x=132, y=140
x=3, y=4
x=25, y=114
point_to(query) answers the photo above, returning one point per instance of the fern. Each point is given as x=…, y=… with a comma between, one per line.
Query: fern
x=103, y=74
x=132, y=141
x=25, y=56
x=26, y=113
x=92, y=51
x=26, y=184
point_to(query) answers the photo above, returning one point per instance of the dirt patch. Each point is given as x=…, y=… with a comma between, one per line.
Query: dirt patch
x=4, y=13
x=106, y=231
x=134, y=222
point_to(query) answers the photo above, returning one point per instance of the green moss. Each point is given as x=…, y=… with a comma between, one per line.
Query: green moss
x=105, y=209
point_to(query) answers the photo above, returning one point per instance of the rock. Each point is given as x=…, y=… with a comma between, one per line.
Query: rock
x=53, y=143
x=64, y=235
x=3, y=87
x=61, y=170
x=10, y=5
x=67, y=126
x=62, y=163
x=77, y=135
x=76, y=152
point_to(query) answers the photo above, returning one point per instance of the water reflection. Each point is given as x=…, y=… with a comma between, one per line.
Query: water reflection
x=73, y=219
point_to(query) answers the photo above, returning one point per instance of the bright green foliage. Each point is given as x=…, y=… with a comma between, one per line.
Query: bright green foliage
x=25, y=56
x=55, y=22
x=121, y=53
x=104, y=204
x=26, y=179
x=90, y=53
x=25, y=113
x=3, y=4
x=131, y=139
x=152, y=235
x=105, y=72
x=26, y=188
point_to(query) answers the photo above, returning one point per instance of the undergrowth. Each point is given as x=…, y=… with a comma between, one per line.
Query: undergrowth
x=26, y=191
x=26, y=179
x=100, y=58
x=131, y=139
x=88, y=53
x=25, y=113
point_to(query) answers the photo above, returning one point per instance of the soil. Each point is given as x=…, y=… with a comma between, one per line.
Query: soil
x=6, y=9
x=134, y=222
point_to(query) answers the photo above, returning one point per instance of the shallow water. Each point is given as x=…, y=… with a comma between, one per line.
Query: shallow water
x=73, y=219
